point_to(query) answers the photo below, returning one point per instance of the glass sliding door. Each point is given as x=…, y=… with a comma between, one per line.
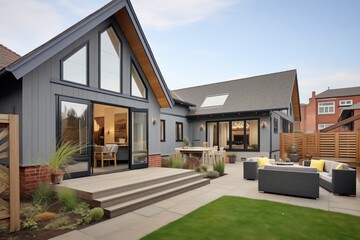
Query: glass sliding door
x=74, y=125
x=139, y=139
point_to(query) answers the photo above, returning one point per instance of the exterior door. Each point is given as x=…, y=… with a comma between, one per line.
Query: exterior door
x=74, y=124
x=139, y=139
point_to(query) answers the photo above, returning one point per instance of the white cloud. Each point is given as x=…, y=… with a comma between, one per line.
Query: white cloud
x=26, y=24
x=160, y=14
x=320, y=83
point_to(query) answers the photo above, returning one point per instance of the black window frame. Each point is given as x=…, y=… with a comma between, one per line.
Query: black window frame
x=276, y=126
x=132, y=64
x=162, y=130
x=70, y=54
x=121, y=60
x=177, y=137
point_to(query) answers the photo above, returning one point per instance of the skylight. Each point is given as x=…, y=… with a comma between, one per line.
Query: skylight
x=214, y=101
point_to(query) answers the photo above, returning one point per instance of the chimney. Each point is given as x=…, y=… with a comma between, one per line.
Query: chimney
x=313, y=94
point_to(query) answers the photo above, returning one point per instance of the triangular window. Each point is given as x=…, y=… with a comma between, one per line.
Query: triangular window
x=138, y=88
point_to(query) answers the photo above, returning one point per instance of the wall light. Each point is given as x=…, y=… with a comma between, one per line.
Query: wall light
x=153, y=120
x=108, y=131
x=263, y=124
x=202, y=127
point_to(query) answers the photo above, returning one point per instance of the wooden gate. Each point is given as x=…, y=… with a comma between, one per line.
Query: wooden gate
x=9, y=172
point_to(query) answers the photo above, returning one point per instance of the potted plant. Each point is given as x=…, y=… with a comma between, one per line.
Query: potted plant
x=60, y=158
x=186, y=142
x=232, y=157
x=294, y=156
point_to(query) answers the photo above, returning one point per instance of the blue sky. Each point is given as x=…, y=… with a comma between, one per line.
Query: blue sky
x=197, y=42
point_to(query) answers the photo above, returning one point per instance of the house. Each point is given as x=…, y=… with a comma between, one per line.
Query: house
x=95, y=83
x=245, y=116
x=327, y=108
x=7, y=56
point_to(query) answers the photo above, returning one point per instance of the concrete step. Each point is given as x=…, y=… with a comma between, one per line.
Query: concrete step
x=122, y=197
x=137, y=203
x=136, y=185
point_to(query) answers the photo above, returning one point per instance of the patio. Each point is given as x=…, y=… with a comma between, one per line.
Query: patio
x=138, y=223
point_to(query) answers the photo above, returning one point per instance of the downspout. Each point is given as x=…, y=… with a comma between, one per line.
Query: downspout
x=270, y=134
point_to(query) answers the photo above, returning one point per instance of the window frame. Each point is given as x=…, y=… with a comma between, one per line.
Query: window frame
x=326, y=107
x=246, y=144
x=276, y=126
x=141, y=79
x=177, y=137
x=99, y=60
x=162, y=130
x=343, y=102
x=70, y=54
x=324, y=125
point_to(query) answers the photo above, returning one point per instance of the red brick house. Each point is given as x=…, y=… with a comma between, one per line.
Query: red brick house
x=326, y=108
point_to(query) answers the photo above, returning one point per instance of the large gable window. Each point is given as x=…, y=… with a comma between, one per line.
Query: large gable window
x=214, y=101
x=75, y=67
x=138, y=88
x=326, y=107
x=110, y=60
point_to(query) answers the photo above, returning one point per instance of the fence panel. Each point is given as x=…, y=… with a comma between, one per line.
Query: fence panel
x=9, y=172
x=341, y=145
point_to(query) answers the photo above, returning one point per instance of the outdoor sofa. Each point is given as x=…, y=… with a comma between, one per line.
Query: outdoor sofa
x=289, y=180
x=337, y=181
x=251, y=168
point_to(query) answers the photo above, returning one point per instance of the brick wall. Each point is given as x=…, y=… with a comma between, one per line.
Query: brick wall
x=30, y=177
x=155, y=160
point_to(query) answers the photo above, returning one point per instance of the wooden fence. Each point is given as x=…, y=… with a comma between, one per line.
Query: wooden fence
x=9, y=172
x=340, y=145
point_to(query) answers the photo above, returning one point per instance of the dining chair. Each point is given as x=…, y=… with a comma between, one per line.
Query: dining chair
x=105, y=153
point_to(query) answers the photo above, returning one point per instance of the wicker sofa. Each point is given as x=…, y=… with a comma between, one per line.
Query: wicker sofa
x=341, y=182
x=289, y=180
x=251, y=168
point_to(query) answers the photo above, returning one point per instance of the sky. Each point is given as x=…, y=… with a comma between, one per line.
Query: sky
x=197, y=42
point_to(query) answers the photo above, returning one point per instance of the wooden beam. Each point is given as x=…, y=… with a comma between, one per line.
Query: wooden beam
x=341, y=123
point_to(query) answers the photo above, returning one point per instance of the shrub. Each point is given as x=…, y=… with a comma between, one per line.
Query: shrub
x=68, y=199
x=28, y=211
x=203, y=173
x=213, y=174
x=219, y=166
x=42, y=194
x=96, y=214
x=175, y=161
x=84, y=210
x=61, y=223
x=29, y=224
x=204, y=167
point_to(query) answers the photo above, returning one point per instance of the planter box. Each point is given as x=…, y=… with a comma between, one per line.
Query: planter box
x=232, y=159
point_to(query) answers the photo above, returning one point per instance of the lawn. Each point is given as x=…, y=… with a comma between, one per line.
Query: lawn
x=242, y=218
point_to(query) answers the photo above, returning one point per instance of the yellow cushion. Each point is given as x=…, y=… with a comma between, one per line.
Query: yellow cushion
x=318, y=164
x=263, y=161
x=339, y=167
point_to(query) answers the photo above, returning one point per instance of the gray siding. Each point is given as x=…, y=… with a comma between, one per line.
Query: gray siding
x=171, y=116
x=43, y=85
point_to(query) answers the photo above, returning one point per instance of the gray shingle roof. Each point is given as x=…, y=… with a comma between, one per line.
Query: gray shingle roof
x=7, y=56
x=339, y=92
x=265, y=92
x=353, y=107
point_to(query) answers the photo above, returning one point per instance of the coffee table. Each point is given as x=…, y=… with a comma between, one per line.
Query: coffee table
x=284, y=163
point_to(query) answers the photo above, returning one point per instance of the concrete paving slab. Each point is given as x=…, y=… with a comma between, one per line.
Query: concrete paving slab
x=73, y=235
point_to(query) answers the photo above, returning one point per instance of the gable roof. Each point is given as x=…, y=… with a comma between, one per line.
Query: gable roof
x=260, y=93
x=339, y=92
x=7, y=56
x=125, y=16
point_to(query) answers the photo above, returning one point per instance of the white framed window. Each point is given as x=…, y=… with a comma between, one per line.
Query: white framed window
x=324, y=125
x=346, y=102
x=326, y=107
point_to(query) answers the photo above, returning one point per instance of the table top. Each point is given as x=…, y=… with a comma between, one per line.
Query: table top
x=194, y=149
x=284, y=163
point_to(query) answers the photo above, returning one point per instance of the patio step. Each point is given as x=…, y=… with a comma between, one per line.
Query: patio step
x=125, y=196
x=114, y=188
x=128, y=206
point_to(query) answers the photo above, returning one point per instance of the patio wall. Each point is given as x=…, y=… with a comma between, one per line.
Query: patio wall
x=341, y=145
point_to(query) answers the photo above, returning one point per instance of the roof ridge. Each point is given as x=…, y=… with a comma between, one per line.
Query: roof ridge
x=233, y=80
x=10, y=50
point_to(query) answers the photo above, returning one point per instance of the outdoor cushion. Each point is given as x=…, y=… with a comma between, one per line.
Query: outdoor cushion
x=290, y=168
x=340, y=166
x=326, y=177
x=327, y=166
x=263, y=161
x=318, y=164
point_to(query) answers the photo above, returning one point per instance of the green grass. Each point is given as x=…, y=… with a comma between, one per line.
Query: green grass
x=242, y=218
